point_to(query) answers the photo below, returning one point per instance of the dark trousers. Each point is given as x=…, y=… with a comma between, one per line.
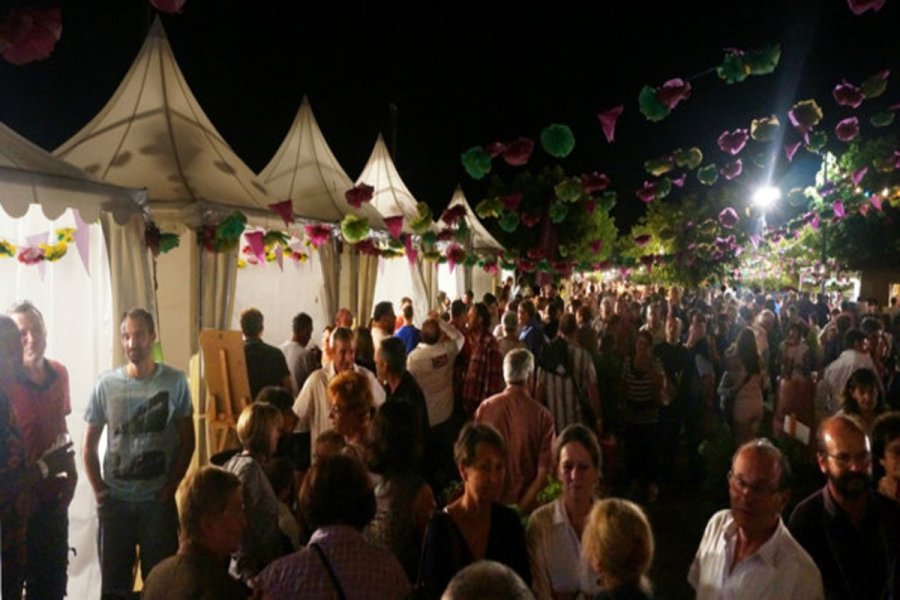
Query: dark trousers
x=48, y=554
x=124, y=525
x=642, y=451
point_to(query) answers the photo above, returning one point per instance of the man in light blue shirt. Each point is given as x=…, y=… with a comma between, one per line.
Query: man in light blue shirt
x=147, y=412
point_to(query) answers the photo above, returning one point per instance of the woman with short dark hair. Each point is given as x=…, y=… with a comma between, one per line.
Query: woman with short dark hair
x=337, y=501
x=475, y=526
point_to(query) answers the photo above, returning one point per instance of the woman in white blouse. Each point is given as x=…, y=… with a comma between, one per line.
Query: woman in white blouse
x=554, y=530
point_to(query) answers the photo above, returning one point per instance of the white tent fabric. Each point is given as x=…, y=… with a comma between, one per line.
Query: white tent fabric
x=392, y=198
x=481, y=239
x=152, y=133
x=396, y=279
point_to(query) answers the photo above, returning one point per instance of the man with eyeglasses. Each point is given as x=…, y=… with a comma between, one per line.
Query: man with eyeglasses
x=746, y=551
x=852, y=533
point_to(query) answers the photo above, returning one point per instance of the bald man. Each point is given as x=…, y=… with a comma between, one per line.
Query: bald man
x=852, y=533
x=746, y=551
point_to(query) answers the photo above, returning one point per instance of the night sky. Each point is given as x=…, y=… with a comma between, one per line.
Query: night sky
x=459, y=74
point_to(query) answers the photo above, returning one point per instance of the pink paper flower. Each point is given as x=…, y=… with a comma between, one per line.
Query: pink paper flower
x=875, y=200
x=847, y=129
x=673, y=91
x=839, y=210
x=729, y=218
x=285, y=210
x=791, y=149
x=412, y=255
x=360, y=193
x=453, y=214
x=679, y=181
x=864, y=209
x=596, y=246
x=857, y=176
x=608, y=120
x=446, y=235
x=642, y=240
x=594, y=182
x=29, y=35
x=590, y=205
x=394, y=226
x=170, y=7
x=733, y=141
x=518, y=152
x=535, y=253
x=496, y=149
x=858, y=7
x=511, y=202
x=317, y=234
x=847, y=94
x=732, y=170
x=647, y=193
x=530, y=219
x=31, y=256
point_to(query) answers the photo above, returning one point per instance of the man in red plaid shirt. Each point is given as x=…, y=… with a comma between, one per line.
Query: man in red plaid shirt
x=484, y=374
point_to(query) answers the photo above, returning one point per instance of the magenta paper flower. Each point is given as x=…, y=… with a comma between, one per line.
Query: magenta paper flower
x=608, y=120
x=847, y=94
x=530, y=219
x=31, y=255
x=357, y=195
x=285, y=210
x=594, y=182
x=857, y=176
x=590, y=205
x=729, y=218
x=455, y=255
x=647, y=261
x=453, y=214
x=858, y=7
x=446, y=235
x=679, y=181
x=733, y=142
x=535, y=253
x=394, y=225
x=642, y=240
x=673, y=91
x=596, y=246
x=518, y=152
x=412, y=255
x=647, y=193
x=864, y=209
x=847, y=129
x=496, y=149
x=875, y=200
x=754, y=239
x=168, y=6
x=791, y=149
x=732, y=170
x=317, y=234
x=30, y=34
x=839, y=211
x=512, y=201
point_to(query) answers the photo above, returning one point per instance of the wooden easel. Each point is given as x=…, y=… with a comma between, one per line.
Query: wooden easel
x=227, y=386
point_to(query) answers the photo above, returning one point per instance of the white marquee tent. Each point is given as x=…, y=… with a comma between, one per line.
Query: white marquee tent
x=105, y=270
x=396, y=277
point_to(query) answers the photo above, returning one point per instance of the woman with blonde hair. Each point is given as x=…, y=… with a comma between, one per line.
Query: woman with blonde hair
x=258, y=429
x=618, y=544
x=352, y=410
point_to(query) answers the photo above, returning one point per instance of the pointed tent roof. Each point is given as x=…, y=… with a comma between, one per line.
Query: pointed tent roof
x=305, y=170
x=392, y=198
x=152, y=133
x=30, y=175
x=481, y=238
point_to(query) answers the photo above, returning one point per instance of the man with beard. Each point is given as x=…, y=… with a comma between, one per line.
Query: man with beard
x=746, y=551
x=851, y=533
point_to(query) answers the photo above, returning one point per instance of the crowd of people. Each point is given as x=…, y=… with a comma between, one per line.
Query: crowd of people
x=505, y=444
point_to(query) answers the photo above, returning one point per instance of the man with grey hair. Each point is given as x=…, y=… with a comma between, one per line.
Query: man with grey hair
x=527, y=428
x=746, y=551
x=487, y=580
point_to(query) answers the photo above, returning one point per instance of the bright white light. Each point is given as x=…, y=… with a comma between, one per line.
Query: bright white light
x=765, y=196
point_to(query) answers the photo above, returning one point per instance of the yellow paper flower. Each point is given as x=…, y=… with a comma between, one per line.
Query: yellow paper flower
x=54, y=252
x=7, y=248
x=65, y=234
x=241, y=263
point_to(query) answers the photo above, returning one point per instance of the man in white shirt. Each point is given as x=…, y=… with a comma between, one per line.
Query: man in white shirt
x=302, y=357
x=746, y=551
x=383, y=322
x=312, y=406
x=431, y=365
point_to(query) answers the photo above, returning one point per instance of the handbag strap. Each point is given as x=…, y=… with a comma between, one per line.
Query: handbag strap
x=334, y=579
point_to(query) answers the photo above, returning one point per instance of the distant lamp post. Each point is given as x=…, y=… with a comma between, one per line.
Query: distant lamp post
x=764, y=198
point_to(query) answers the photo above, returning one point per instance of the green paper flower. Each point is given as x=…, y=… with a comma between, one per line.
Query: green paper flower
x=423, y=220
x=273, y=237
x=563, y=251
x=471, y=261
x=764, y=129
x=817, y=141
x=607, y=201
x=429, y=238
x=509, y=221
x=476, y=161
x=489, y=207
x=557, y=140
x=231, y=227
x=708, y=175
x=882, y=119
x=689, y=159
x=796, y=198
x=763, y=62
x=663, y=188
x=168, y=242
x=875, y=85
x=659, y=166
x=732, y=69
x=760, y=159
x=354, y=228
x=569, y=190
x=651, y=107
x=558, y=212
x=462, y=231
